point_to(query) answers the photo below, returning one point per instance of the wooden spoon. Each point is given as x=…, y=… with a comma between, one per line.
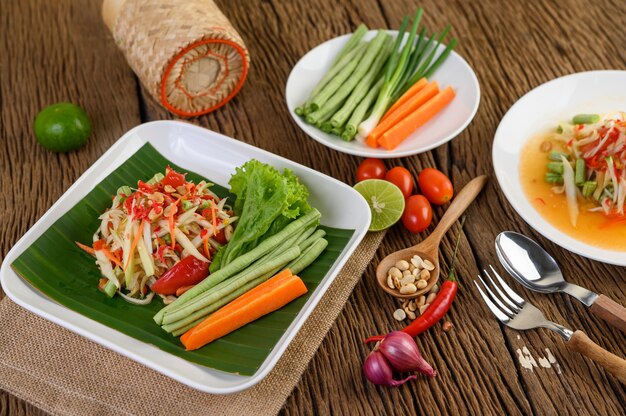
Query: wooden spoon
x=428, y=249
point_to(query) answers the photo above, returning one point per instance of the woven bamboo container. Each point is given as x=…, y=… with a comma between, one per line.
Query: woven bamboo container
x=186, y=53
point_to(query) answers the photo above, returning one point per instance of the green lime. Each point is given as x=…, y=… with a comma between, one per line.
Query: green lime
x=62, y=127
x=385, y=200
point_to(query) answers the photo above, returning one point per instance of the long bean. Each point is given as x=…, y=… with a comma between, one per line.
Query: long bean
x=336, y=66
x=242, y=261
x=308, y=256
x=183, y=325
x=360, y=111
x=354, y=40
x=213, y=295
x=338, y=80
x=341, y=117
x=312, y=239
x=347, y=86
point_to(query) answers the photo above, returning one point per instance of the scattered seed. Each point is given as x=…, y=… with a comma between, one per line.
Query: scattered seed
x=431, y=297
x=434, y=289
x=447, y=325
x=408, y=289
x=395, y=272
x=423, y=308
x=402, y=265
x=390, y=282
x=411, y=315
x=399, y=315
x=428, y=265
x=412, y=305
x=181, y=190
x=169, y=189
x=421, y=301
x=424, y=274
x=421, y=284
x=405, y=304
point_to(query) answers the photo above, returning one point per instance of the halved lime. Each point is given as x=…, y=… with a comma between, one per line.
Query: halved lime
x=385, y=200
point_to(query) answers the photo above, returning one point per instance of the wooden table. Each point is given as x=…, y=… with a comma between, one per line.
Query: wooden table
x=61, y=51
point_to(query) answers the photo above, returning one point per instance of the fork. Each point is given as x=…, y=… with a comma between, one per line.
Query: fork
x=513, y=311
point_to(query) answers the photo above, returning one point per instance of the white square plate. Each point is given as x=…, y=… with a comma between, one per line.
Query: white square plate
x=214, y=156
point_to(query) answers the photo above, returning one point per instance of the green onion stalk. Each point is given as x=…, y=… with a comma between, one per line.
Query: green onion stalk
x=394, y=70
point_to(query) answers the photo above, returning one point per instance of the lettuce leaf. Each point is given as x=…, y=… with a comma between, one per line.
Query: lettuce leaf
x=267, y=200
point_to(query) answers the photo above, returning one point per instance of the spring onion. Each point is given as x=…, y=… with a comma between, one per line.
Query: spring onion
x=393, y=73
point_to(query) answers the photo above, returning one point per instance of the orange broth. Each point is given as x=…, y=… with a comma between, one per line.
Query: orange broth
x=591, y=227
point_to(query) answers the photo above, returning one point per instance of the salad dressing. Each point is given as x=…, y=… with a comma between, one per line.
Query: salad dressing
x=590, y=227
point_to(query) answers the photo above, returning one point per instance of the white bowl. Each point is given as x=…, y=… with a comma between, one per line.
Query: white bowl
x=443, y=127
x=538, y=110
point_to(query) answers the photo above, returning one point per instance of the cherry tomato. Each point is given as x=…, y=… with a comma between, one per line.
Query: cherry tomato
x=417, y=214
x=371, y=169
x=435, y=186
x=220, y=237
x=189, y=271
x=173, y=178
x=401, y=177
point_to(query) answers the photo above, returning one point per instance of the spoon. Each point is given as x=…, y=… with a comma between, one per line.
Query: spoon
x=428, y=249
x=534, y=268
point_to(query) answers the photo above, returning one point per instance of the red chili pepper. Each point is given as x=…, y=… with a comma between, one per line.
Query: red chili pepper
x=437, y=309
x=189, y=271
x=173, y=178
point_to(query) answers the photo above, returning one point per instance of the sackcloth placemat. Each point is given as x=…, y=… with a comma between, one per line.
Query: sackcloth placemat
x=64, y=373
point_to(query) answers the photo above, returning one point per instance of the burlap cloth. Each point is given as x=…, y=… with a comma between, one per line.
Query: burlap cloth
x=64, y=373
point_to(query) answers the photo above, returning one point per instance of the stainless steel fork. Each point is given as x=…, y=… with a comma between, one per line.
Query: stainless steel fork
x=513, y=311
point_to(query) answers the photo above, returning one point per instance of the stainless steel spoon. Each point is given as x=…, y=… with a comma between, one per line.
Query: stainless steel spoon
x=534, y=268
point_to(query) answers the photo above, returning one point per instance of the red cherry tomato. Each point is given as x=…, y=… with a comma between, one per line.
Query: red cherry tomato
x=435, y=186
x=371, y=169
x=220, y=237
x=189, y=271
x=401, y=177
x=417, y=214
x=173, y=178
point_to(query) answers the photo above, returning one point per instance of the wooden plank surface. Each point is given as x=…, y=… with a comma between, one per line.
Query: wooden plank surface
x=60, y=50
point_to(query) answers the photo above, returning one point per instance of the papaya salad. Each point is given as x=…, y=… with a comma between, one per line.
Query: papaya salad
x=159, y=237
x=591, y=164
x=217, y=267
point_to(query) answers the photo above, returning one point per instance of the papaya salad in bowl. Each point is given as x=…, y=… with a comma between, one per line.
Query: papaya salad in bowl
x=575, y=176
x=216, y=266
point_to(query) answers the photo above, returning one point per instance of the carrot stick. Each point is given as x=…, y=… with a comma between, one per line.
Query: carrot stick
x=257, y=304
x=86, y=248
x=394, y=136
x=205, y=241
x=415, y=88
x=135, y=242
x=111, y=257
x=171, y=222
x=269, y=284
x=410, y=105
x=214, y=218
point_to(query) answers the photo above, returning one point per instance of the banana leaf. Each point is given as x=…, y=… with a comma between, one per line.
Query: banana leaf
x=56, y=267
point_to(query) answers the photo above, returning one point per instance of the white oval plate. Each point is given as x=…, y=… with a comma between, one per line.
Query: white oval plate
x=537, y=111
x=443, y=127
